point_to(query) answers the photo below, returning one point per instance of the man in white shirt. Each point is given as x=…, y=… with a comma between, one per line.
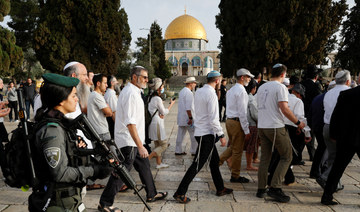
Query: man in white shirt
x=111, y=99
x=207, y=133
x=130, y=138
x=272, y=99
x=97, y=108
x=186, y=117
x=237, y=125
x=343, y=81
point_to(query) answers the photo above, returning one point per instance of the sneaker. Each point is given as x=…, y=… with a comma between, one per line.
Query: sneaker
x=239, y=180
x=278, y=195
x=261, y=193
x=224, y=192
x=16, y=120
x=162, y=165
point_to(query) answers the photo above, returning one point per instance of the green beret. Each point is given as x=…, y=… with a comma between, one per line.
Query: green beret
x=60, y=80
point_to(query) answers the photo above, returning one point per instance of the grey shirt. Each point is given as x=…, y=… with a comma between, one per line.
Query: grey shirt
x=11, y=94
x=95, y=114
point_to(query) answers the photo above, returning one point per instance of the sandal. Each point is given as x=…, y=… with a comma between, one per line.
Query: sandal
x=123, y=188
x=181, y=198
x=94, y=186
x=109, y=209
x=158, y=196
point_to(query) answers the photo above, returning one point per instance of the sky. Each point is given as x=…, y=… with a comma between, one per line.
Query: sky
x=142, y=13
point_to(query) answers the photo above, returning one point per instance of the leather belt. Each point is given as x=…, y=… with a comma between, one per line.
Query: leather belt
x=235, y=119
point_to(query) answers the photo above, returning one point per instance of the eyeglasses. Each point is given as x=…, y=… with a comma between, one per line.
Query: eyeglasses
x=145, y=77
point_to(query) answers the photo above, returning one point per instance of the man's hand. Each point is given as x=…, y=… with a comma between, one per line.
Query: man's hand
x=143, y=152
x=190, y=122
x=301, y=125
x=4, y=112
x=223, y=141
x=307, y=139
x=161, y=116
x=247, y=137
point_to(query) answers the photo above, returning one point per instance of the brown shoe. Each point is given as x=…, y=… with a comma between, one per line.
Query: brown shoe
x=224, y=192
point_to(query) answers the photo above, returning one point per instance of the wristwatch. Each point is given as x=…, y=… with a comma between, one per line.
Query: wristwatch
x=190, y=118
x=222, y=136
x=298, y=122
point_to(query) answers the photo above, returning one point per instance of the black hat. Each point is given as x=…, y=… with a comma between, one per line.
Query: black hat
x=300, y=89
x=60, y=80
x=312, y=71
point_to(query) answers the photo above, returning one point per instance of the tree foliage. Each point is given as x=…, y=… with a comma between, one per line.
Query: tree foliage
x=24, y=16
x=259, y=33
x=349, y=54
x=158, y=61
x=11, y=55
x=95, y=33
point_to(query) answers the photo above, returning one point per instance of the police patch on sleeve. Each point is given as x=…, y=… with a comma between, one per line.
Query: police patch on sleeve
x=52, y=155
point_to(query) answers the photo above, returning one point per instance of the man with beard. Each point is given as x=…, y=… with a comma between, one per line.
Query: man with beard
x=130, y=138
x=237, y=125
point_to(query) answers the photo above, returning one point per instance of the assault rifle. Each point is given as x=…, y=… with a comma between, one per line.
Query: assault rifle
x=103, y=148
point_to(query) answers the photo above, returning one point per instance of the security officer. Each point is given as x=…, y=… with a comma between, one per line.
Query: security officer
x=61, y=172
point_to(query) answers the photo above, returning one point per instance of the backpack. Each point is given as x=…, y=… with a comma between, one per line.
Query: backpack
x=17, y=167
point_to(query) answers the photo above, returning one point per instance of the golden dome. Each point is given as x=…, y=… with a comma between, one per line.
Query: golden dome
x=185, y=26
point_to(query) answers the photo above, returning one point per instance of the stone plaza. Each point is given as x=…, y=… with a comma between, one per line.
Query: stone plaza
x=305, y=193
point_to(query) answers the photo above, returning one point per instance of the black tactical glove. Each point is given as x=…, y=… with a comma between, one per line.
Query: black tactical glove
x=101, y=171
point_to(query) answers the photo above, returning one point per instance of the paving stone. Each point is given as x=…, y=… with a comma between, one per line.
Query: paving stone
x=247, y=196
x=2, y=207
x=308, y=197
x=344, y=198
x=13, y=196
x=303, y=208
x=258, y=207
x=16, y=208
x=345, y=208
x=169, y=185
x=211, y=196
x=208, y=206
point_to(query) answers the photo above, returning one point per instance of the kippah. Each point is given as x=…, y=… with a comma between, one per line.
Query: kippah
x=213, y=74
x=60, y=80
x=70, y=64
x=277, y=65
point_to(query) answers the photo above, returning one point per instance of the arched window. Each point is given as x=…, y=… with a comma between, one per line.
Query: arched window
x=196, y=61
x=173, y=60
x=208, y=61
x=184, y=59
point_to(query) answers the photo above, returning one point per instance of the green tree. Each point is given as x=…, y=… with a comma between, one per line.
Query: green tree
x=158, y=61
x=11, y=55
x=95, y=33
x=348, y=55
x=259, y=33
x=24, y=15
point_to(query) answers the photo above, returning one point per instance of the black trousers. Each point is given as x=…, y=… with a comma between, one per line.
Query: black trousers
x=3, y=138
x=311, y=147
x=13, y=108
x=275, y=158
x=344, y=154
x=141, y=165
x=111, y=125
x=298, y=142
x=206, y=146
x=319, y=152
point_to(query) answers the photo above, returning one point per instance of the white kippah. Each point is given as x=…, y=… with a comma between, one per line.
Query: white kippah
x=70, y=64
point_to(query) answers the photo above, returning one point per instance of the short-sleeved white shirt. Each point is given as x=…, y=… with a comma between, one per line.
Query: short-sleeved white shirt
x=130, y=110
x=95, y=114
x=268, y=97
x=111, y=99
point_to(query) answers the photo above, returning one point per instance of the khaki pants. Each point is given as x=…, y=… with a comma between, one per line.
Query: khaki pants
x=160, y=145
x=236, y=148
x=283, y=146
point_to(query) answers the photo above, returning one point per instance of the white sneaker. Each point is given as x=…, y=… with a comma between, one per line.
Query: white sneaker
x=162, y=165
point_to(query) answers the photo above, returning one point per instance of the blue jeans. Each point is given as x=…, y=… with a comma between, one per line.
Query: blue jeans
x=27, y=105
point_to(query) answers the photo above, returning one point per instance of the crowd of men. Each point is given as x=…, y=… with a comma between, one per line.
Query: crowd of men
x=283, y=115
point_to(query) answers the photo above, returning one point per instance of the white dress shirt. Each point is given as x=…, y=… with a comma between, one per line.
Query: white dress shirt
x=330, y=101
x=296, y=105
x=186, y=102
x=207, y=112
x=111, y=99
x=130, y=110
x=156, y=103
x=236, y=105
